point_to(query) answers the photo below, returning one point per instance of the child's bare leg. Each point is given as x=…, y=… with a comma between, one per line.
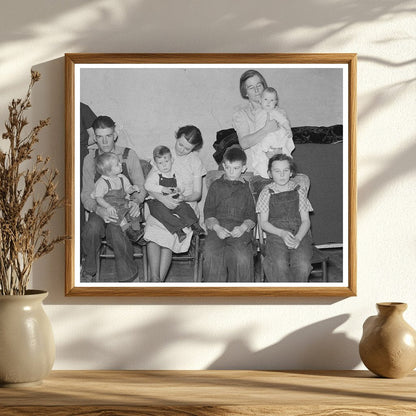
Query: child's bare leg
x=154, y=257
x=165, y=261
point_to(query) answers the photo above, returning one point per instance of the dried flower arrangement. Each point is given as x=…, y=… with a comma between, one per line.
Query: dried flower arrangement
x=28, y=200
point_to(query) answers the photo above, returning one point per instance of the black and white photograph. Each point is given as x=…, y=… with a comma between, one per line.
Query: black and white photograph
x=202, y=175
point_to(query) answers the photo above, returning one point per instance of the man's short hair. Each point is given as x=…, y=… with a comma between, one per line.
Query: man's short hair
x=103, y=122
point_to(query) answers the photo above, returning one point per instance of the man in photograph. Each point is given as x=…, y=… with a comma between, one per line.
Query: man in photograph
x=101, y=223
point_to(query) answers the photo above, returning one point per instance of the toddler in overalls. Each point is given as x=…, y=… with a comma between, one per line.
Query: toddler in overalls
x=162, y=180
x=230, y=216
x=112, y=190
x=284, y=216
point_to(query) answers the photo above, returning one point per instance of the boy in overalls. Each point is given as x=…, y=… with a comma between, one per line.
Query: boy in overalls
x=230, y=216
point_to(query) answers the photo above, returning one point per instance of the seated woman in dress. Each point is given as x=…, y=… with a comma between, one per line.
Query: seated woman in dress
x=189, y=171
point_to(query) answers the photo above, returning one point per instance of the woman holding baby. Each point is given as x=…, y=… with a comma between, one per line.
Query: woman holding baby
x=255, y=123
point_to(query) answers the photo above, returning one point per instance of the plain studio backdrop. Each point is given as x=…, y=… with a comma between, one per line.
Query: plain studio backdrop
x=149, y=105
x=200, y=333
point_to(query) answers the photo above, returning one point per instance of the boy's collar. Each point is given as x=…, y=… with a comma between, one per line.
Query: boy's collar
x=240, y=179
x=110, y=177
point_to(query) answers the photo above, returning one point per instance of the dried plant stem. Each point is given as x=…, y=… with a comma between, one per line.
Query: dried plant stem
x=24, y=216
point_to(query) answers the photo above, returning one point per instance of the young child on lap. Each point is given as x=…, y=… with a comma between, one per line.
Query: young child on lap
x=162, y=179
x=112, y=191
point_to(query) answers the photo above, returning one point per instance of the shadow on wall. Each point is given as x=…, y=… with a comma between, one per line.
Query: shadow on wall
x=105, y=26
x=146, y=346
x=314, y=347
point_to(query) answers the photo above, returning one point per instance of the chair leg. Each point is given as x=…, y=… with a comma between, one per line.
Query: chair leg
x=325, y=270
x=200, y=262
x=98, y=262
x=196, y=258
x=145, y=266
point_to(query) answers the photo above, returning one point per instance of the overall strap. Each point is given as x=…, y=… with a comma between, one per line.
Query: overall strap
x=108, y=184
x=124, y=163
x=97, y=175
x=122, y=184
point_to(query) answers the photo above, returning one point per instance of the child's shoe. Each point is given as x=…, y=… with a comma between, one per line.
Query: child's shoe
x=197, y=229
x=134, y=235
x=181, y=235
x=87, y=277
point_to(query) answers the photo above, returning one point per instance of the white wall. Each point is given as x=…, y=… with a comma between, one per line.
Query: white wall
x=199, y=333
x=149, y=105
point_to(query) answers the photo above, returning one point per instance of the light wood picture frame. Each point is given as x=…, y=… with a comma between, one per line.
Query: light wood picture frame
x=149, y=96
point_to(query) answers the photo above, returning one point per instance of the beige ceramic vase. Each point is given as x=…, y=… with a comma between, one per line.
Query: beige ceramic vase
x=27, y=347
x=388, y=345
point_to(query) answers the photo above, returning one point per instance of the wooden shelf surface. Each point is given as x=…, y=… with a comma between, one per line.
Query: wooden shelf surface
x=212, y=392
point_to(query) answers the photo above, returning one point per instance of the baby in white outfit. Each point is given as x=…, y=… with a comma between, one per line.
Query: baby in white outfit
x=279, y=141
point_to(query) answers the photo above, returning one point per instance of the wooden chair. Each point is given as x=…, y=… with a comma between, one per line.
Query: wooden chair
x=105, y=252
x=319, y=260
x=319, y=265
x=193, y=256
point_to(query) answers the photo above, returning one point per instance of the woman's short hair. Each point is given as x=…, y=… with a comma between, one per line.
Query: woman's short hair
x=192, y=135
x=160, y=151
x=280, y=157
x=103, y=122
x=249, y=74
x=104, y=162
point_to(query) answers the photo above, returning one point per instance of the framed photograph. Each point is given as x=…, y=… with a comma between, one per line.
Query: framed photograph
x=211, y=174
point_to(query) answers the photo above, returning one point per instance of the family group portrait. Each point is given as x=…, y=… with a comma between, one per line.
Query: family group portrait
x=211, y=174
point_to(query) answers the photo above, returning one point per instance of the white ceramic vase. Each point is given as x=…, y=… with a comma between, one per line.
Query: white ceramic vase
x=27, y=346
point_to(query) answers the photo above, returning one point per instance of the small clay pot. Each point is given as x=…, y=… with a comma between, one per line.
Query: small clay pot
x=388, y=345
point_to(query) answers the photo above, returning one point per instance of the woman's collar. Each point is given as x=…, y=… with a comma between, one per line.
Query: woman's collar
x=253, y=105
